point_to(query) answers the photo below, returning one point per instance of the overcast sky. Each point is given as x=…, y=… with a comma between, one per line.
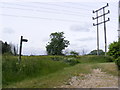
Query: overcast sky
x=35, y=21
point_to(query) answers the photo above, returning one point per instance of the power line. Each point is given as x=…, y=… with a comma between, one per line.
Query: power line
x=40, y=18
x=46, y=11
x=40, y=7
x=60, y=5
x=83, y=5
x=114, y=26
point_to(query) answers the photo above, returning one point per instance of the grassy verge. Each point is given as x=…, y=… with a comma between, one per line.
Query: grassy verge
x=109, y=68
x=50, y=71
x=95, y=59
x=30, y=67
x=62, y=76
x=54, y=79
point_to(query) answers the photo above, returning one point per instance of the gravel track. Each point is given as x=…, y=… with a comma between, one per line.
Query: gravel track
x=97, y=79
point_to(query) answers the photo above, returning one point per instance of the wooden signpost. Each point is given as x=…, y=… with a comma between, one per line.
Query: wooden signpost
x=21, y=40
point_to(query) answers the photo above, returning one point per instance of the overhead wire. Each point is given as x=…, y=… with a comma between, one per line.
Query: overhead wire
x=74, y=3
x=36, y=17
x=47, y=11
x=11, y=15
x=40, y=7
x=60, y=5
x=40, y=10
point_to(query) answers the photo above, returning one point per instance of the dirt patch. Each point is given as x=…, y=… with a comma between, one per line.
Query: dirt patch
x=96, y=79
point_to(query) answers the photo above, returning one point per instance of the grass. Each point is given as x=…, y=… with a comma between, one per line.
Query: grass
x=29, y=67
x=61, y=77
x=54, y=79
x=95, y=59
x=49, y=71
x=109, y=68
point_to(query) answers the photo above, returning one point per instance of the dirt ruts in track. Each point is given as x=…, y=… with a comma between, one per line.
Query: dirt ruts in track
x=96, y=79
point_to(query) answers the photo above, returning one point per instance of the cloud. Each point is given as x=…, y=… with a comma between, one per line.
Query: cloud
x=45, y=40
x=86, y=39
x=8, y=31
x=82, y=28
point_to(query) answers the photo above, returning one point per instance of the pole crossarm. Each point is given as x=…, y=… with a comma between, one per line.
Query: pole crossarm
x=101, y=15
x=101, y=22
x=100, y=8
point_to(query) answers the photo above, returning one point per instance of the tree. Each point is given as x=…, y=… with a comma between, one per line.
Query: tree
x=66, y=52
x=83, y=51
x=94, y=52
x=57, y=44
x=74, y=53
x=114, y=49
x=14, y=49
x=6, y=48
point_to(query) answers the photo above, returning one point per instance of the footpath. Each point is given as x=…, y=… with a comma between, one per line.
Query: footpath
x=96, y=79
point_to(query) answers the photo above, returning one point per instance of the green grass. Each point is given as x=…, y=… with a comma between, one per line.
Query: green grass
x=30, y=67
x=54, y=79
x=95, y=59
x=62, y=76
x=50, y=71
x=109, y=68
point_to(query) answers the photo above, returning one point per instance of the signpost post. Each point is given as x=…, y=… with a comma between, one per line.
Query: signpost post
x=21, y=40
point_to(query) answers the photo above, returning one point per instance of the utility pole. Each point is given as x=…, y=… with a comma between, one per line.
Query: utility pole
x=98, y=23
x=97, y=32
x=21, y=40
x=119, y=20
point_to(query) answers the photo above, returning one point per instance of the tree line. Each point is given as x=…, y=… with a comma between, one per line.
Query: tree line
x=58, y=43
x=8, y=48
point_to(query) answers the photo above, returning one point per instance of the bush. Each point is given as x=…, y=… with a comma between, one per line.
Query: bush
x=114, y=49
x=56, y=58
x=117, y=61
x=71, y=61
x=96, y=59
x=108, y=59
x=74, y=53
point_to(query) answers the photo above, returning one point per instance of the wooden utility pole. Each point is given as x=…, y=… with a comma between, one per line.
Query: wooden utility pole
x=98, y=23
x=21, y=40
x=97, y=33
x=119, y=20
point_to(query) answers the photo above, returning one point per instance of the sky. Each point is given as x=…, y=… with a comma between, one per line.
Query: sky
x=36, y=20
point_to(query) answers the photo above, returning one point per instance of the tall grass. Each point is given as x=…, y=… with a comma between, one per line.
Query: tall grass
x=32, y=66
x=63, y=76
x=39, y=66
x=95, y=59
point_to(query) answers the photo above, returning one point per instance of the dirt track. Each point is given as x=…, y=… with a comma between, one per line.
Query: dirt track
x=97, y=79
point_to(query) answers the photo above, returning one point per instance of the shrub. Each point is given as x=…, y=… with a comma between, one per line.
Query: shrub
x=114, y=49
x=74, y=53
x=96, y=59
x=108, y=59
x=56, y=58
x=71, y=61
x=117, y=61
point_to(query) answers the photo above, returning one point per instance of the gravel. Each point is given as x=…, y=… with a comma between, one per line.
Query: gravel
x=97, y=79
